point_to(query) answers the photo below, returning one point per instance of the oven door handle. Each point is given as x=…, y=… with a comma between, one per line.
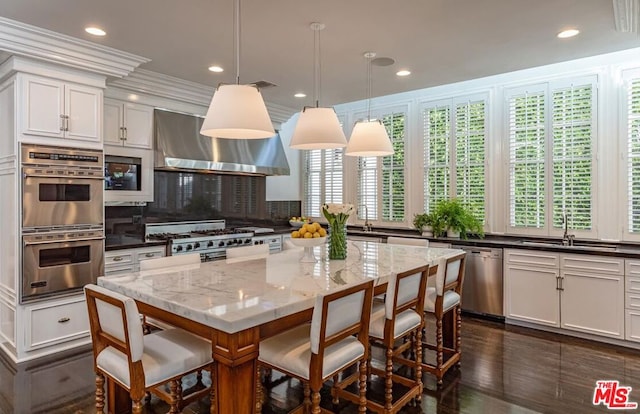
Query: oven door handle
x=32, y=243
x=81, y=177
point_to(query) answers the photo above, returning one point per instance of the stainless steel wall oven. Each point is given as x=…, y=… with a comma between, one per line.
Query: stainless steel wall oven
x=62, y=220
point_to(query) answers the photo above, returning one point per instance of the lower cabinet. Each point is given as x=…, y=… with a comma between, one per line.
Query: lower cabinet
x=575, y=292
x=123, y=261
x=54, y=323
x=632, y=300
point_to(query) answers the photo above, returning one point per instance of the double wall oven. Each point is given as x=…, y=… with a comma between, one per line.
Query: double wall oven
x=62, y=220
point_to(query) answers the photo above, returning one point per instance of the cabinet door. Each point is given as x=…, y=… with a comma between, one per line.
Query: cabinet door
x=113, y=122
x=43, y=107
x=83, y=106
x=593, y=303
x=532, y=295
x=138, y=124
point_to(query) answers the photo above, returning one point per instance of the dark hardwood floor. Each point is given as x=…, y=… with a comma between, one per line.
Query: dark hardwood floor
x=504, y=370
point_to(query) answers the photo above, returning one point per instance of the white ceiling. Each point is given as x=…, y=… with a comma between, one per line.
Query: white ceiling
x=440, y=41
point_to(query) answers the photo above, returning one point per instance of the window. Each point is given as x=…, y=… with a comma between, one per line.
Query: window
x=454, y=134
x=551, y=138
x=381, y=180
x=633, y=152
x=322, y=179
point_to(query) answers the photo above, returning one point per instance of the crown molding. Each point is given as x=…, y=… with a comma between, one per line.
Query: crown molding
x=25, y=40
x=165, y=86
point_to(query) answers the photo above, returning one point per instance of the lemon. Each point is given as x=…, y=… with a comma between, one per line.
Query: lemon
x=302, y=231
x=317, y=226
x=322, y=232
x=316, y=235
x=308, y=235
x=295, y=234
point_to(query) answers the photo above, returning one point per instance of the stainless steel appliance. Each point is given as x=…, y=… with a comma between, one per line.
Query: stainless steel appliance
x=482, y=289
x=264, y=235
x=56, y=263
x=61, y=187
x=122, y=173
x=209, y=238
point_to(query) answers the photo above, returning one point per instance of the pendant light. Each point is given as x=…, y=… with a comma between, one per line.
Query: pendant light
x=237, y=111
x=369, y=138
x=317, y=128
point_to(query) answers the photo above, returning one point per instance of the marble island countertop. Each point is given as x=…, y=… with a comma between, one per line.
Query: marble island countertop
x=235, y=296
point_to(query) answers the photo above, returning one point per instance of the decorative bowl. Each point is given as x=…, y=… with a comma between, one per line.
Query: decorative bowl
x=297, y=224
x=308, y=244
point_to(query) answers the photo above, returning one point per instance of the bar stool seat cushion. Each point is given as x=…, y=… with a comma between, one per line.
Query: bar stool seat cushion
x=405, y=321
x=291, y=350
x=449, y=300
x=166, y=354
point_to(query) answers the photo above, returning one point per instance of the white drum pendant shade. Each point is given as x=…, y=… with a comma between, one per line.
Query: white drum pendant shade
x=237, y=112
x=318, y=128
x=369, y=139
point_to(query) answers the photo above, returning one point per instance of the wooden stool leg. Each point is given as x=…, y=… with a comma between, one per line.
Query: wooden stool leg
x=334, y=390
x=458, y=333
x=315, y=402
x=136, y=406
x=362, y=387
x=307, y=393
x=439, y=351
x=175, y=397
x=99, y=393
x=388, y=381
x=259, y=390
x=417, y=349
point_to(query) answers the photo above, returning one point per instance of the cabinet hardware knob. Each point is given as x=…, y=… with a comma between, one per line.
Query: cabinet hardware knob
x=149, y=255
x=125, y=133
x=64, y=320
x=117, y=259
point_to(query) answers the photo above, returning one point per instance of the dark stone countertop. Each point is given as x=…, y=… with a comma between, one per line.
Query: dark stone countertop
x=128, y=241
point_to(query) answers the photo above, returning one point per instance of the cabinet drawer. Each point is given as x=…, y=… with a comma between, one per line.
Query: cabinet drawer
x=118, y=269
x=532, y=259
x=632, y=284
x=52, y=324
x=632, y=301
x=118, y=258
x=632, y=325
x=150, y=254
x=592, y=264
x=632, y=268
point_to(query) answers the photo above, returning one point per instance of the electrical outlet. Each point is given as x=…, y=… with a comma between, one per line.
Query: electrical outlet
x=137, y=219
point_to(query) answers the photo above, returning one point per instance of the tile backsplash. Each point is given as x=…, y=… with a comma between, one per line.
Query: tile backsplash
x=180, y=196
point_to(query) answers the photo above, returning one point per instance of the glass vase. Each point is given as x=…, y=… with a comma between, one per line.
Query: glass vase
x=337, y=241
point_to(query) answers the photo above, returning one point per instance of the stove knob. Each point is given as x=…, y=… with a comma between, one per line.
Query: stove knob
x=261, y=241
x=196, y=245
x=189, y=247
x=256, y=242
x=230, y=242
x=178, y=248
x=210, y=244
x=247, y=241
x=221, y=244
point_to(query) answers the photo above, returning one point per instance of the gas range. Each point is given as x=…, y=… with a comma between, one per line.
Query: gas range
x=209, y=238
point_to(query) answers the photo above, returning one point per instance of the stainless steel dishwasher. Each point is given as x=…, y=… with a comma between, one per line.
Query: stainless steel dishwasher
x=482, y=289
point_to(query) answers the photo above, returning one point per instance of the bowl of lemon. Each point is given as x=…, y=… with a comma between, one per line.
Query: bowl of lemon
x=309, y=235
x=298, y=222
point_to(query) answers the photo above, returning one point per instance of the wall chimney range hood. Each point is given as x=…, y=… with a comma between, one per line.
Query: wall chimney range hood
x=180, y=147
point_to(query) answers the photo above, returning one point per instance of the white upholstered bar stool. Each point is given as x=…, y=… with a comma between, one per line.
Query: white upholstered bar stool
x=244, y=253
x=137, y=362
x=167, y=262
x=336, y=339
x=399, y=317
x=445, y=297
x=408, y=241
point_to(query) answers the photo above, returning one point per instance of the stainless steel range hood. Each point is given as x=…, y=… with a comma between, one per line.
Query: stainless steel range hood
x=179, y=146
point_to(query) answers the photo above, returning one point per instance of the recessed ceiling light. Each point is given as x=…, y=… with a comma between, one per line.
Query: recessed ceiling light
x=133, y=97
x=216, y=69
x=568, y=33
x=300, y=95
x=96, y=31
x=403, y=72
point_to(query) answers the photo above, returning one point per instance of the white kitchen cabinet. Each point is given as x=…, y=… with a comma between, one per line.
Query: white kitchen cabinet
x=531, y=282
x=57, y=109
x=128, y=124
x=632, y=300
x=117, y=262
x=53, y=323
x=592, y=294
x=374, y=239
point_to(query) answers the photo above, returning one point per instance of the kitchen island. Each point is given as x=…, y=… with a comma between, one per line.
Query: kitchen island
x=235, y=305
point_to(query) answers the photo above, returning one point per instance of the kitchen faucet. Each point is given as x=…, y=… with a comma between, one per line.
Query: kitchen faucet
x=567, y=239
x=367, y=226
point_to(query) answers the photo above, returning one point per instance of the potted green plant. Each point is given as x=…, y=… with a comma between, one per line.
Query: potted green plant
x=457, y=220
x=423, y=223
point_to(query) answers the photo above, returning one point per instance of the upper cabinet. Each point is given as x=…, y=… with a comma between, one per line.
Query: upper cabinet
x=128, y=124
x=58, y=109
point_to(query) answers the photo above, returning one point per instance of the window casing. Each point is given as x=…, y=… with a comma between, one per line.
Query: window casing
x=551, y=139
x=454, y=143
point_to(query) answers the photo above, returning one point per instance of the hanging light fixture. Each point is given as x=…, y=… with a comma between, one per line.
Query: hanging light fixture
x=369, y=138
x=317, y=128
x=237, y=111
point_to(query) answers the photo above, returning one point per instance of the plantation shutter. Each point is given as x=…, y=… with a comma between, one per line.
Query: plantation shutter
x=393, y=192
x=368, y=187
x=527, y=159
x=470, y=155
x=437, y=136
x=322, y=179
x=633, y=153
x=572, y=132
